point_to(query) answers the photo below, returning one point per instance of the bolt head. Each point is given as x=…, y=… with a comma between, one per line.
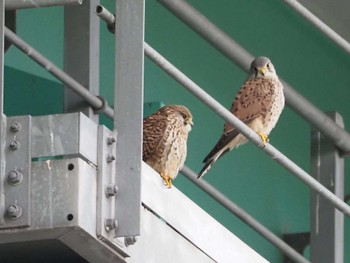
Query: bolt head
x=111, y=140
x=14, y=145
x=14, y=211
x=110, y=158
x=111, y=190
x=110, y=224
x=15, y=126
x=14, y=177
x=128, y=241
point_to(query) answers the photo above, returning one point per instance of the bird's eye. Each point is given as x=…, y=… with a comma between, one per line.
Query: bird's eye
x=268, y=65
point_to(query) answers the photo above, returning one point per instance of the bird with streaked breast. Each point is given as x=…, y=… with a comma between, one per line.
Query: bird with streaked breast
x=258, y=103
x=165, y=135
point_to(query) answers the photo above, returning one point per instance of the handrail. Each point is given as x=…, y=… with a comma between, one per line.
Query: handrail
x=244, y=129
x=96, y=102
x=316, y=22
x=232, y=50
x=19, y=4
x=243, y=215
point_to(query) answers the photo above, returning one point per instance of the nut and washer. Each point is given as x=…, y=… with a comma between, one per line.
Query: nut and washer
x=111, y=140
x=110, y=158
x=14, y=177
x=110, y=224
x=14, y=211
x=14, y=145
x=128, y=241
x=111, y=190
x=15, y=126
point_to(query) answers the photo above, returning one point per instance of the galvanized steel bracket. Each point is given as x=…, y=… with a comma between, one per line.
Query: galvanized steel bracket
x=17, y=177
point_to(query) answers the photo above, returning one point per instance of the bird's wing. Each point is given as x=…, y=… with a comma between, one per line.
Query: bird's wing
x=154, y=131
x=253, y=100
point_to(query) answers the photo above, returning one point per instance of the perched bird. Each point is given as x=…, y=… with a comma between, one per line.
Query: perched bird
x=258, y=104
x=165, y=136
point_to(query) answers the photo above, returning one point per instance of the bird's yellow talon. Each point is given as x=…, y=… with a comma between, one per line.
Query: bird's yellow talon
x=264, y=138
x=168, y=181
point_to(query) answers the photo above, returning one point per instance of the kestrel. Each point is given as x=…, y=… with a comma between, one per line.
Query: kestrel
x=165, y=136
x=258, y=104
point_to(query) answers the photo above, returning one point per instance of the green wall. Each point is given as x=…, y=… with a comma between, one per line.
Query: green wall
x=312, y=64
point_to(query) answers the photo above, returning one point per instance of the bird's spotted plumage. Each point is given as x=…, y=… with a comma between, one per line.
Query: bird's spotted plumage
x=165, y=136
x=258, y=104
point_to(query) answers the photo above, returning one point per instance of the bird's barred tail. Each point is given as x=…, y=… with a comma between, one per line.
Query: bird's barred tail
x=205, y=169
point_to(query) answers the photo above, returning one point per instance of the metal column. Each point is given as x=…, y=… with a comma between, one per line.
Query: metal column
x=327, y=223
x=128, y=113
x=81, y=54
x=2, y=116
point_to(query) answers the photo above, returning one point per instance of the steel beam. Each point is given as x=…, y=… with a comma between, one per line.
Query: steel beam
x=128, y=113
x=18, y=4
x=232, y=50
x=327, y=223
x=82, y=54
x=2, y=116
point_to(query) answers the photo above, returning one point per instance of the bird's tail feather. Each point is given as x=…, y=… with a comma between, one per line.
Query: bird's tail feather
x=206, y=168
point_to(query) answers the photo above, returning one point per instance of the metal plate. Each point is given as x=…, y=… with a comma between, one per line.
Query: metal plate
x=17, y=154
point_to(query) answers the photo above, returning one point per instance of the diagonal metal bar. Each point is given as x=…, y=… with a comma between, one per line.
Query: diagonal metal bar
x=316, y=22
x=232, y=50
x=19, y=4
x=94, y=101
x=244, y=129
x=243, y=215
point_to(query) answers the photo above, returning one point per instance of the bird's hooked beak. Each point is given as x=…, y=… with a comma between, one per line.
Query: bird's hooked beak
x=189, y=121
x=262, y=71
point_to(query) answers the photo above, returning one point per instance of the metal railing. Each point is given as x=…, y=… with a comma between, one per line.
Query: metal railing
x=231, y=49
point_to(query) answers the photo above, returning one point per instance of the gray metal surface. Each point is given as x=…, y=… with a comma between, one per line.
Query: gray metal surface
x=188, y=220
x=106, y=180
x=244, y=216
x=245, y=130
x=17, y=4
x=319, y=24
x=82, y=54
x=226, y=45
x=128, y=113
x=2, y=116
x=64, y=135
x=17, y=153
x=155, y=234
x=93, y=100
x=327, y=224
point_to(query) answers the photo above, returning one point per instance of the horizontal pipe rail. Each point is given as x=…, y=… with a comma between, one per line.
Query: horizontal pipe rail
x=93, y=100
x=316, y=22
x=19, y=4
x=226, y=45
x=244, y=129
x=243, y=215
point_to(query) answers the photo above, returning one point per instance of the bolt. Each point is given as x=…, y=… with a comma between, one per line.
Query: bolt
x=110, y=158
x=14, y=211
x=14, y=145
x=110, y=224
x=111, y=140
x=14, y=177
x=15, y=126
x=111, y=190
x=128, y=241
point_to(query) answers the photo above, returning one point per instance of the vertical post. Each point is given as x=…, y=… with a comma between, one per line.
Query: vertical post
x=2, y=116
x=81, y=54
x=128, y=108
x=327, y=223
